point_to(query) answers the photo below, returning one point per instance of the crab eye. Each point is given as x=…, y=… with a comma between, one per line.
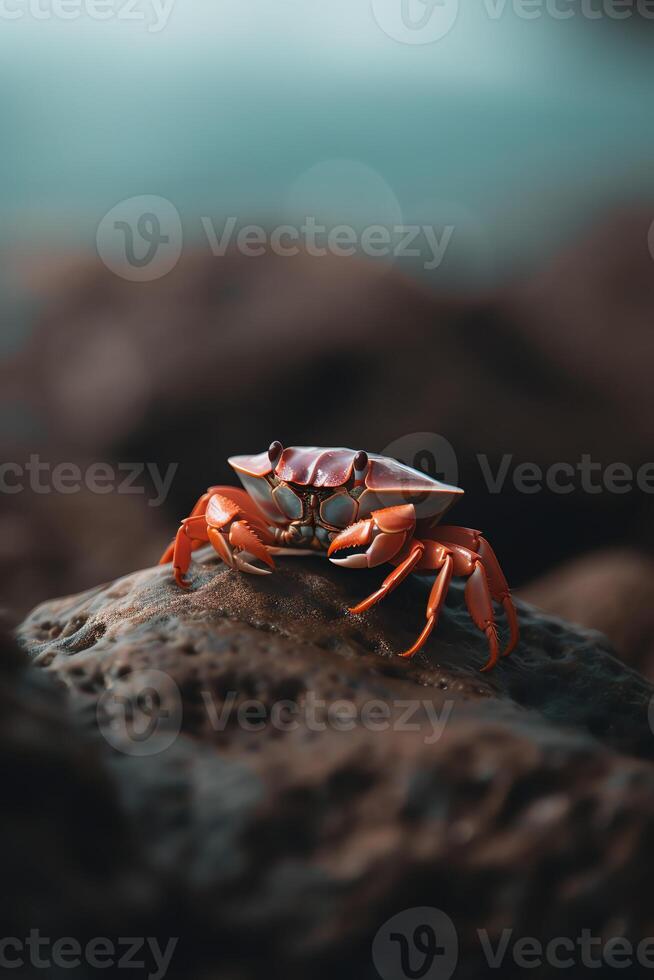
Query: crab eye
x=275, y=451
x=288, y=501
x=360, y=463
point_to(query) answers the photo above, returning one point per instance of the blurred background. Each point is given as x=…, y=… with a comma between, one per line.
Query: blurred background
x=367, y=224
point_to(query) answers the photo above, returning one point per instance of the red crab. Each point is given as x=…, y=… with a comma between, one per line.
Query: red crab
x=305, y=500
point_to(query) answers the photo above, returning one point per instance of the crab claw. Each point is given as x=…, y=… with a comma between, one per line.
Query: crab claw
x=381, y=537
x=241, y=562
x=355, y=536
x=248, y=548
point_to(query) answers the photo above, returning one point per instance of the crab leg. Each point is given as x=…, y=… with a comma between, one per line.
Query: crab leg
x=383, y=535
x=198, y=509
x=477, y=595
x=436, y=599
x=480, y=607
x=386, y=535
x=393, y=580
x=192, y=533
x=220, y=520
x=235, y=539
x=499, y=588
x=454, y=559
x=235, y=494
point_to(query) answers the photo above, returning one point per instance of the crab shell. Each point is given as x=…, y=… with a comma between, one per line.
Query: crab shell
x=385, y=483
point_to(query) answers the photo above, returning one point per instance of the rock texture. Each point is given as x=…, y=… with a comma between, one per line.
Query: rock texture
x=284, y=784
x=611, y=590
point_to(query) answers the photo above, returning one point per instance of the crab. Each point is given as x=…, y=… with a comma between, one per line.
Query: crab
x=359, y=510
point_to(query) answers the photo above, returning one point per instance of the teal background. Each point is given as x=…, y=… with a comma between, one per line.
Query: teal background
x=517, y=131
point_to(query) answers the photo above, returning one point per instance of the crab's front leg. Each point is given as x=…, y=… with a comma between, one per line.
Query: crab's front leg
x=235, y=494
x=235, y=538
x=226, y=522
x=387, y=535
x=192, y=534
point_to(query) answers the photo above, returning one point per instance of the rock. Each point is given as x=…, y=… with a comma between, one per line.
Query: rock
x=289, y=785
x=587, y=317
x=59, y=804
x=53, y=541
x=611, y=591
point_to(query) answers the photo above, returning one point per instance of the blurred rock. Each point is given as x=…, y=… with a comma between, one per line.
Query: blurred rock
x=589, y=314
x=611, y=591
x=52, y=541
x=511, y=800
x=242, y=334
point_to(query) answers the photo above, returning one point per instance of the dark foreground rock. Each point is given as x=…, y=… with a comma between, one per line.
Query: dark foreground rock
x=278, y=784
